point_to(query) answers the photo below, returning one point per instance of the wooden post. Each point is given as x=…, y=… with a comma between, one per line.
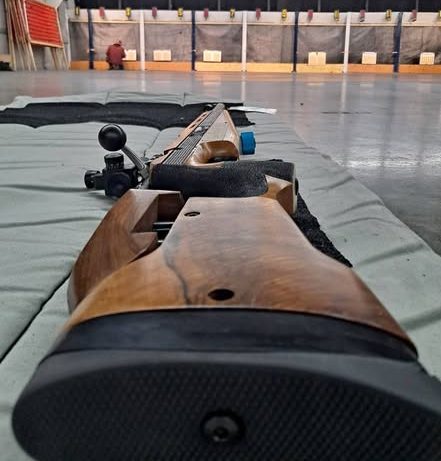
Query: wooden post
x=10, y=35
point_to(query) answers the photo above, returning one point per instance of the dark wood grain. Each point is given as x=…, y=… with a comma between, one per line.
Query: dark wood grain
x=124, y=235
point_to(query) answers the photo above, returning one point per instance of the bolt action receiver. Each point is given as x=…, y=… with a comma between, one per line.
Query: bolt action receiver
x=116, y=178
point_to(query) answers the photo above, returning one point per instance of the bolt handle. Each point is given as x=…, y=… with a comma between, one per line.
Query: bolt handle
x=112, y=137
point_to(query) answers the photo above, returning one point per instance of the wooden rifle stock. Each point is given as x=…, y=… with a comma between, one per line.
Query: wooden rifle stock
x=230, y=337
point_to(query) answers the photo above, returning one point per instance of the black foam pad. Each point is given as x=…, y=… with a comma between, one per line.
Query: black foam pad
x=234, y=179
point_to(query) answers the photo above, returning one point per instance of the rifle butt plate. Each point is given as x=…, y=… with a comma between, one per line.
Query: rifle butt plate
x=223, y=385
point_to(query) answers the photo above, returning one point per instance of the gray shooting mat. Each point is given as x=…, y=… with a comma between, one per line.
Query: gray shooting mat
x=378, y=39
x=226, y=38
x=173, y=37
x=416, y=40
x=104, y=35
x=47, y=216
x=330, y=39
x=270, y=44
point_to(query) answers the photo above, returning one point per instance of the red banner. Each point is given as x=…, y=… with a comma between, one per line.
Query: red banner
x=43, y=24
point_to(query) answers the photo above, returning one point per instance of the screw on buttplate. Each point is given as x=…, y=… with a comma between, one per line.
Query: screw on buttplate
x=222, y=428
x=221, y=294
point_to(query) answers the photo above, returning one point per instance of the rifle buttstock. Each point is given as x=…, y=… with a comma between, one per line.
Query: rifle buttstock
x=229, y=253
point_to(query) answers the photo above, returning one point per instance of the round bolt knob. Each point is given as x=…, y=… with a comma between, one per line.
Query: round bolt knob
x=112, y=137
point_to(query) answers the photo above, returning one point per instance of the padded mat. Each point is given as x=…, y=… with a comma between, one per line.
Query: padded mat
x=156, y=115
x=47, y=217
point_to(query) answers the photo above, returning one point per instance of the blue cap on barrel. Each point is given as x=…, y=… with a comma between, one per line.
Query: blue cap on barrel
x=248, y=142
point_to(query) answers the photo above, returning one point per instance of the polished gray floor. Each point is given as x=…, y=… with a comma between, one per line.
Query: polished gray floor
x=384, y=129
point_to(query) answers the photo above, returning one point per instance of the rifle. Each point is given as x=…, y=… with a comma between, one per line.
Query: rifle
x=205, y=326
x=210, y=142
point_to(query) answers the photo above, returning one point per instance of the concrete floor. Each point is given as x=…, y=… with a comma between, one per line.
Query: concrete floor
x=384, y=129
